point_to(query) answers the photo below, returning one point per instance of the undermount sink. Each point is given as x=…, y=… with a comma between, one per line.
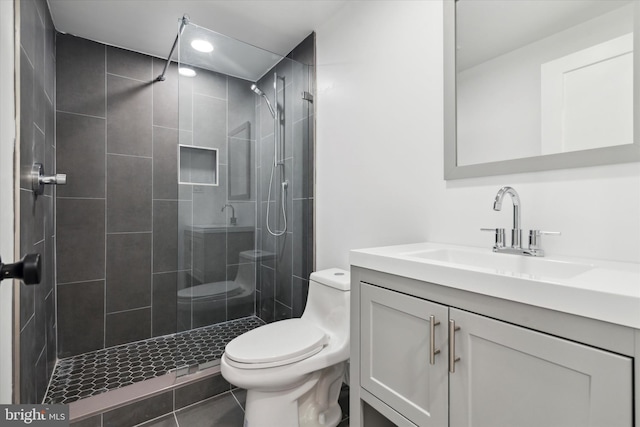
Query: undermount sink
x=515, y=265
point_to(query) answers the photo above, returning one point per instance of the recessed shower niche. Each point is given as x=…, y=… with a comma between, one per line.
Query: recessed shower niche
x=198, y=165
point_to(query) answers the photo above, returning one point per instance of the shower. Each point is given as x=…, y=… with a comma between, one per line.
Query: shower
x=277, y=160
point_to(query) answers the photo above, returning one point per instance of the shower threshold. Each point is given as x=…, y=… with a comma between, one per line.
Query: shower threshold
x=159, y=359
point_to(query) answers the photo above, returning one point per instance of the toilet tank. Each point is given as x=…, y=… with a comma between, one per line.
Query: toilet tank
x=328, y=299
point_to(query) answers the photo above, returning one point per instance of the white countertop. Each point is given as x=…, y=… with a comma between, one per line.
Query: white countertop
x=607, y=291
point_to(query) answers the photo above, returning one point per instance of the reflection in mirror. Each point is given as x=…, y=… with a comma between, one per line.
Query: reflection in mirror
x=538, y=82
x=240, y=163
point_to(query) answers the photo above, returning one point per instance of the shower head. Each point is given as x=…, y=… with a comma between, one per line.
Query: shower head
x=257, y=90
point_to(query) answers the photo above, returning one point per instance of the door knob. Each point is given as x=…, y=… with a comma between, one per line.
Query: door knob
x=28, y=269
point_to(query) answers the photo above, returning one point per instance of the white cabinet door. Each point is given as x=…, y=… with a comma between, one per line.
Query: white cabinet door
x=396, y=354
x=511, y=376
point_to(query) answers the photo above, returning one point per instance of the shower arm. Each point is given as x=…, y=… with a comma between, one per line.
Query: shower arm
x=183, y=23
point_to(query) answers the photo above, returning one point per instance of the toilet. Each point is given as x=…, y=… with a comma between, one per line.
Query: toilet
x=205, y=301
x=293, y=369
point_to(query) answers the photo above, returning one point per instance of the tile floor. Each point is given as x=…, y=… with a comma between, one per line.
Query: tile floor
x=225, y=410
x=97, y=372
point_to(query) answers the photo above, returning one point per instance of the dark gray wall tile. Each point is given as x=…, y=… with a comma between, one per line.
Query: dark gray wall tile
x=165, y=421
x=302, y=215
x=28, y=21
x=80, y=76
x=36, y=213
x=210, y=124
x=50, y=56
x=128, y=194
x=165, y=95
x=80, y=317
x=128, y=64
x=80, y=239
x=95, y=421
x=28, y=355
x=241, y=396
x=129, y=112
x=165, y=290
x=26, y=120
x=221, y=411
x=165, y=236
x=210, y=83
x=200, y=390
x=241, y=104
x=80, y=147
x=283, y=271
x=282, y=312
x=301, y=151
x=32, y=219
x=165, y=163
x=42, y=380
x=267, y=294
x=185, y=104
x=300, y=292
x=128, y=271
x=127, y=326
x=139, y=412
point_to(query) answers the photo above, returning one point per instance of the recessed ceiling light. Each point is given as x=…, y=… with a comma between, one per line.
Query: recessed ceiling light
x=202, y=45
x=187, y=72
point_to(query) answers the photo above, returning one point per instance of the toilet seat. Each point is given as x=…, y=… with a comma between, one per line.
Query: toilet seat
x=276, y=344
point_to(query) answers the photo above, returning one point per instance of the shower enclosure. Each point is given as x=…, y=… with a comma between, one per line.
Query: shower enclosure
x=245, y=144
x=200, y=225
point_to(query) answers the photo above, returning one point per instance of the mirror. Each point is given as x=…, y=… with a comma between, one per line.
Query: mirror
x=535, y=85
x=239, y=173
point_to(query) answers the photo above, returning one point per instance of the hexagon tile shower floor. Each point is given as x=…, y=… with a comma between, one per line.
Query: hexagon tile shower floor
x=97, y=372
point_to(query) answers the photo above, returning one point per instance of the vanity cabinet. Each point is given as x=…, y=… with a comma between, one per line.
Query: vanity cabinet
x=504, y=374
x=396, y=335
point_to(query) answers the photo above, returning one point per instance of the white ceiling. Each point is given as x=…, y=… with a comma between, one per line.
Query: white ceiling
x=489, y=28
x=150, y=26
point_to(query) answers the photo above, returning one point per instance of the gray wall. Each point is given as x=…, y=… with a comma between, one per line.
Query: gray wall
x=117, y=244
x=283, y=282
x=122, y=217
x=37, y=234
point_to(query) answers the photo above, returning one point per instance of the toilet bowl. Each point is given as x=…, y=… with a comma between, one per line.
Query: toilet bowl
x=293, y=369
x=201, y=303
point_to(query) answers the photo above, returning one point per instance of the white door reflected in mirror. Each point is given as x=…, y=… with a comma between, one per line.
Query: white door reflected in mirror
x=542, y=77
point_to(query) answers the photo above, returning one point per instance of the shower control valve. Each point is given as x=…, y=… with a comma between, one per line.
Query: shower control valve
x=39, y=179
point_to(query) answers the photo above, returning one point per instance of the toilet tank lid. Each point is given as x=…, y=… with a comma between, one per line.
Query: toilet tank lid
x=334, y=277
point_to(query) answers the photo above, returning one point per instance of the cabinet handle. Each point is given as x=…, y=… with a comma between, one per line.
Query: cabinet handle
x=432, y=340
x=452, y=345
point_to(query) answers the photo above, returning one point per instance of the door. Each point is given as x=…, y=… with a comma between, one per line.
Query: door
x=511, y=376
x=396, y=336
x=7, y=135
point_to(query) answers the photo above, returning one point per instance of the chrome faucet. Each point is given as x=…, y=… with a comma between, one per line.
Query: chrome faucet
x=534, y=248
x=233, y=220
x=516, y=232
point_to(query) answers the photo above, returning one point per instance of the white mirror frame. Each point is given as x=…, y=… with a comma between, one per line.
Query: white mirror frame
x=575, y=159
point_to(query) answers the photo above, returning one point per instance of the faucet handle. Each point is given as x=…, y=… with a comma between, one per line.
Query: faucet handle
x=499, y=236
x=534, y=237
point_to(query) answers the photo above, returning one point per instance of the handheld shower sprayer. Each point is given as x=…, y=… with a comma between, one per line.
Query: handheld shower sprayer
x=259, y=92
x=276, y=163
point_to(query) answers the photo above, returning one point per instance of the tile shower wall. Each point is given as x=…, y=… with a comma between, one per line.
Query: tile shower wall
x=37, y=234
x=283, y=282
x=122, y=217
